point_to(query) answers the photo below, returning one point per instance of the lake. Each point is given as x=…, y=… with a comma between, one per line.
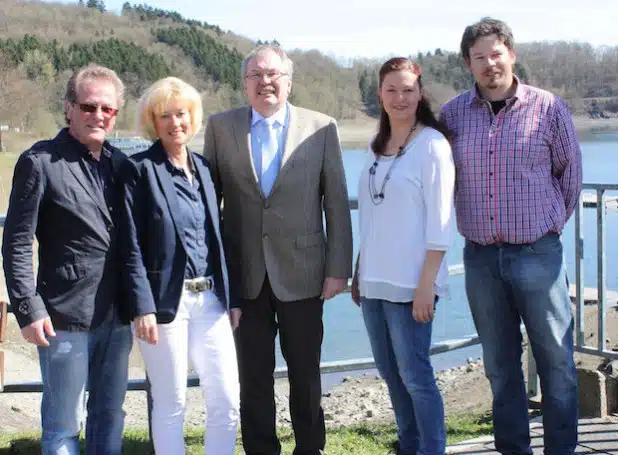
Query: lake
x=344, y=332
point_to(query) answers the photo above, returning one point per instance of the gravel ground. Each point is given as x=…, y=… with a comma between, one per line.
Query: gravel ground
x=358, y=398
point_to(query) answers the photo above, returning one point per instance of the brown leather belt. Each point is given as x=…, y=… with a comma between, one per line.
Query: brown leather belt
x=197, y=285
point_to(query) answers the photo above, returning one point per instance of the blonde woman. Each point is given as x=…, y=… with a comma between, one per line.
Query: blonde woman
x=176, y=274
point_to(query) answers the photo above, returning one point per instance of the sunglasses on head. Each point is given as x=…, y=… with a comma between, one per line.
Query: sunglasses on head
x=92, y=108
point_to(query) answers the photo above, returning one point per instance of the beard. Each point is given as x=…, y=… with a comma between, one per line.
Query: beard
x=492, y=80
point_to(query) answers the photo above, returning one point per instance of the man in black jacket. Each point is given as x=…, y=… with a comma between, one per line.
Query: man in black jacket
x=64, y=194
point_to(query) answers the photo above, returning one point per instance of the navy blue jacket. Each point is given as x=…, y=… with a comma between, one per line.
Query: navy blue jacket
x=152, y=239
x=55, y=198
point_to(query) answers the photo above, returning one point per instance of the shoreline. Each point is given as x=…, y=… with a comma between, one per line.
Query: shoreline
x=351, y=399
x=358, y=133
x=353, y=134
x=354, y=398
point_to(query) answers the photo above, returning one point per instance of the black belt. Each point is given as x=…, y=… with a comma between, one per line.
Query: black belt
x=197, y=285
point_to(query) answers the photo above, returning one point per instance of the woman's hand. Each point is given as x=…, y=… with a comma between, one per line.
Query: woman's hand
x=424, y=302
x=146, y=328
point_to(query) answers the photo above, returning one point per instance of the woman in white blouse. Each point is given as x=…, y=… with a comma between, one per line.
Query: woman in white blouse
x=406, y=220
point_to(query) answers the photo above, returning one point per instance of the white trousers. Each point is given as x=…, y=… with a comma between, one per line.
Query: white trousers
x=202, y=331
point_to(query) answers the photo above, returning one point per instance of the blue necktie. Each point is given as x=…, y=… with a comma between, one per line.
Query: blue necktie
x=270, y=161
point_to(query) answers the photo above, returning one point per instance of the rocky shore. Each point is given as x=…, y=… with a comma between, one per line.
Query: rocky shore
x=364, y=398
x=354, y=399
x=357, y=398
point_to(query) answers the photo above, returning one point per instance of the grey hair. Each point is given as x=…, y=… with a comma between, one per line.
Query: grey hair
x=288, y=65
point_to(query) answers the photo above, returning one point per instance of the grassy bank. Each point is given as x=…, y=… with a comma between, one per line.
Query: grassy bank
x=358, y=440
x=352, y=133
x=15, y=143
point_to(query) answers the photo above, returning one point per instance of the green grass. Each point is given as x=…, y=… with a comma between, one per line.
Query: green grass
x=367, y=439
x=462, y=427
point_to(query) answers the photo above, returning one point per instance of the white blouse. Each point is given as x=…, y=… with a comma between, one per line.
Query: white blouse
x=415, y=215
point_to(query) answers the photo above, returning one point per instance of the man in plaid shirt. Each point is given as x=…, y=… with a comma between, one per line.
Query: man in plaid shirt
x=519, y=175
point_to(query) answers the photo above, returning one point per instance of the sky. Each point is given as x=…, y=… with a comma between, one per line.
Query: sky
x=374, y=28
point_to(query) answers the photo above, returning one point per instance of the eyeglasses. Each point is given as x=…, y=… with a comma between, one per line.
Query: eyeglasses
x=271, y=75
x=107, y=111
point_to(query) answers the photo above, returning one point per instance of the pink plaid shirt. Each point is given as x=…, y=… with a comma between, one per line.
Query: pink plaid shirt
x=519, y=173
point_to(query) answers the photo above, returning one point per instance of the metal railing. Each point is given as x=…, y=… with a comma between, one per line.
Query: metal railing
x=599, y=201
x=281, y=372
x=368, y=363
x=602, y=204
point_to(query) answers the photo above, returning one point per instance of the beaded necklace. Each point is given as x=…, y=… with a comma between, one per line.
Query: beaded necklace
x=377, y=197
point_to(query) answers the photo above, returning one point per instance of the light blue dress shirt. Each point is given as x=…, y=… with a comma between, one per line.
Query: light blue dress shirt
x=261, y=146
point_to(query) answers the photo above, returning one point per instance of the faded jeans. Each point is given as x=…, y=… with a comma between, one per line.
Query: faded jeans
x=507, y=284
x=73, y=361
x=400, y=347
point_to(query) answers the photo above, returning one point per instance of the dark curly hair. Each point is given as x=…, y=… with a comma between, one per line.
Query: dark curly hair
x=485, y=27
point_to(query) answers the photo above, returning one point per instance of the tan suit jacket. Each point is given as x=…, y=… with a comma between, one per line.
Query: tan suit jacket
x=282, y=235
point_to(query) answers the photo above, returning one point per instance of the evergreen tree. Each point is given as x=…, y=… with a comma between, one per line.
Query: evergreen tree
x=96, y=4
x=215, y=59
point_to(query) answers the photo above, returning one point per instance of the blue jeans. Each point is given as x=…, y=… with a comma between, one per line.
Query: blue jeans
x=508, y=284
x=73, y=360
x=400, y=347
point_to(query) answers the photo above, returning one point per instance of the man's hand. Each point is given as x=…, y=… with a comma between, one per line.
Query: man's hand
x=146, y=328
x=36, y=332
x=333, y=286
x=235, y=315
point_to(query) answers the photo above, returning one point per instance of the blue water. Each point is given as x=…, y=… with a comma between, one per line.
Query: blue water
x=344, y=332
x=345, y=336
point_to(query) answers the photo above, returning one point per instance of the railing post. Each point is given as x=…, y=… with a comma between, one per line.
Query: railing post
x=1, y=371
x=149, y=409
x=580, y=339
x=601, y=266
x=4, y=316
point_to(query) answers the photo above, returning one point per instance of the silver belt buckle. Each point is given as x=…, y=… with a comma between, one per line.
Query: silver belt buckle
x=198, y=285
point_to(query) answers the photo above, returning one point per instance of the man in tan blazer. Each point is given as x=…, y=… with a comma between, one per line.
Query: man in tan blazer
x=278, y=169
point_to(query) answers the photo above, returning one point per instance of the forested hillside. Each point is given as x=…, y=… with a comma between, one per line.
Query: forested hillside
x=585, y=76
x=41, y=43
